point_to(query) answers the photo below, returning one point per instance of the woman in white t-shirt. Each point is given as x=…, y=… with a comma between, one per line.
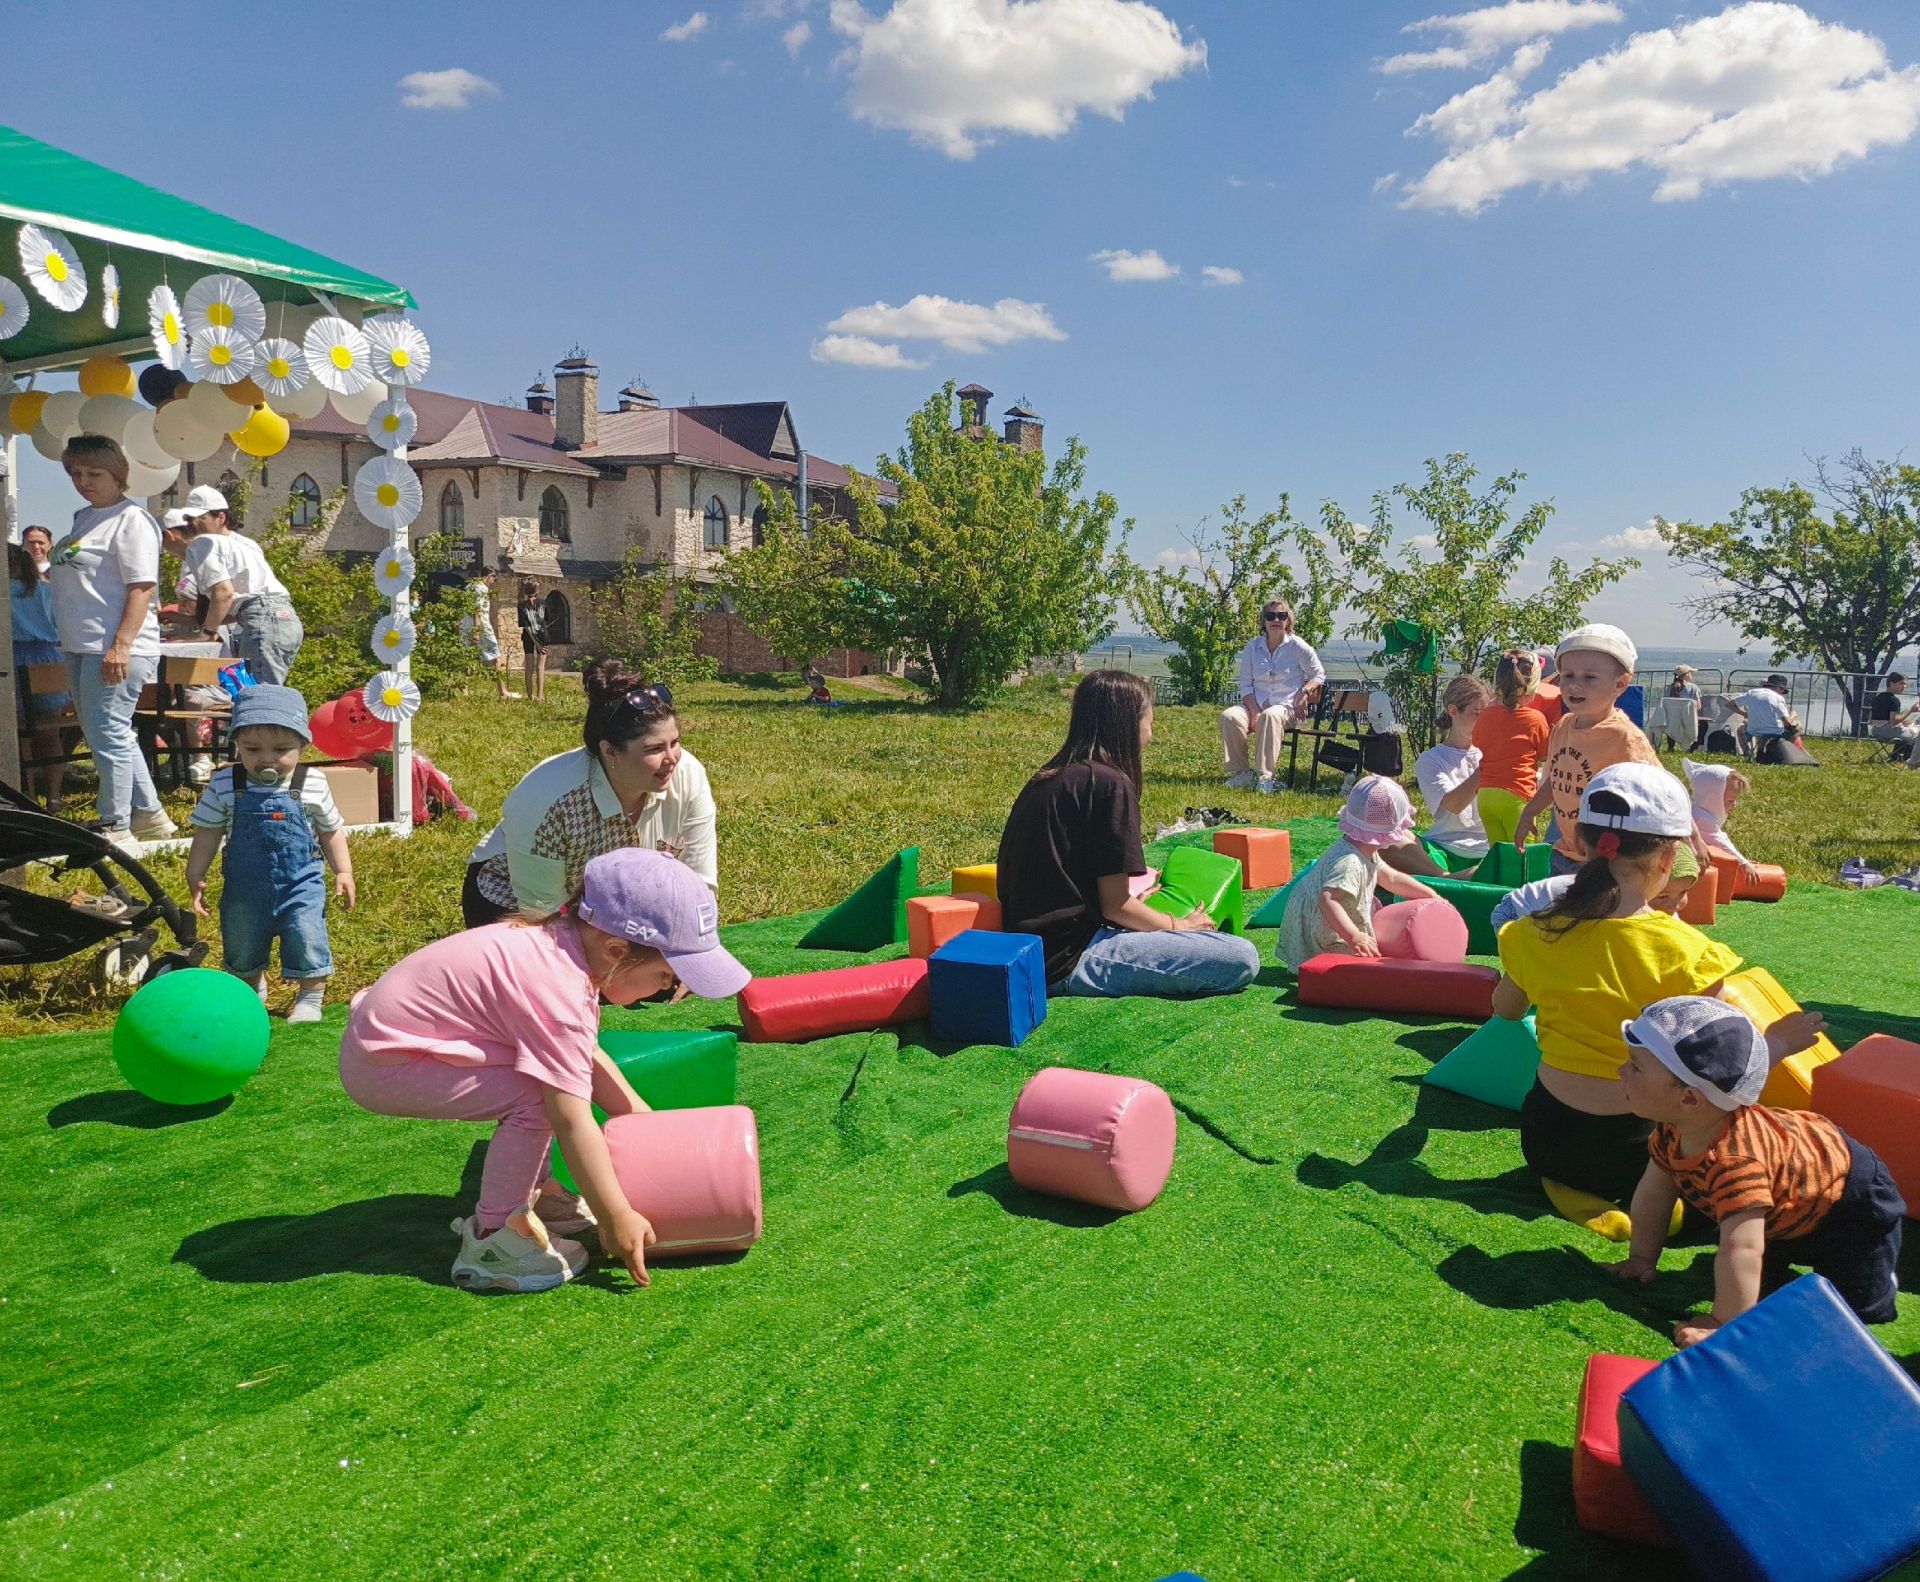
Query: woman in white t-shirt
x=1449, y=773
x=632, y=784
x=103, y=574
x=230, y=571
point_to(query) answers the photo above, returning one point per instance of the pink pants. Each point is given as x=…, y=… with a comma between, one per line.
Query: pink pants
x=427, y=1089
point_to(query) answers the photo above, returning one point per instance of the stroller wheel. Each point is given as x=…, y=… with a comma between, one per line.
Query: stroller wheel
x=123, y=966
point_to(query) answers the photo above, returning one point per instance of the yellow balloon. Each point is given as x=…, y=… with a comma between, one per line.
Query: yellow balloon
x=263, y=434
x=24, y=410
x=244, y=393
x=104, y=375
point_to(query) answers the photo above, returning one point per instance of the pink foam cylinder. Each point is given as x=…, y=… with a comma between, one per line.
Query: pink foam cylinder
x=695, y=1174
x=1430, y=929
x=1093, y=1137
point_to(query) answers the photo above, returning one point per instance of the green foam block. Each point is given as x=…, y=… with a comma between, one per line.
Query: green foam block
x=1273, y=910
x=875, y=914
x=1494, y=1064
x=1475, y=902
x=671, y=1071
x=1451, y=861
x=1506, y=864
x=1194, y=877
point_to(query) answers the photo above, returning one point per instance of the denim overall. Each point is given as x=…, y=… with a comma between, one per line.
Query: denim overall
x=276, y=884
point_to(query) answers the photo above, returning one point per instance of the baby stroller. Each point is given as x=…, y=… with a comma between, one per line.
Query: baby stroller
x=36, y=928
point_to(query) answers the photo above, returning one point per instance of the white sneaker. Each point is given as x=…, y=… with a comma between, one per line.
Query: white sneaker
x=519, y=1256
x=306, y=1008
x=153, y=826
x=1266, y=785
x=563, y=1212
x=1243, y=781
x=125, y=839
x=199, y=769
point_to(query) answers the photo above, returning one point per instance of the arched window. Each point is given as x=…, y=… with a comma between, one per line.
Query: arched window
x=714, y=534
x=759, y=525
x=558, y=617
x=303, y=502
x=553, y=520
x=453, y=514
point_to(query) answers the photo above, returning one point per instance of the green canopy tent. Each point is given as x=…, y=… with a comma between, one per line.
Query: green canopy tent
x=149, y=236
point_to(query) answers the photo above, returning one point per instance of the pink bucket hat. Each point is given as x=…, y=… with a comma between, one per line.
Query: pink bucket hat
x=1377, y=813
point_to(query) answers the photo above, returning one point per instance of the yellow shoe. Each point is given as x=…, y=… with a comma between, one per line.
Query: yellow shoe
x=1589, y=1211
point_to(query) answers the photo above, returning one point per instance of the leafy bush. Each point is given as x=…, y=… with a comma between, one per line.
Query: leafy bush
x=650, y=621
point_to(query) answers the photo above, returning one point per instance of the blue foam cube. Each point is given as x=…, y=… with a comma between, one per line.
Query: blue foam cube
x=988, y=987
x=1785, y=1445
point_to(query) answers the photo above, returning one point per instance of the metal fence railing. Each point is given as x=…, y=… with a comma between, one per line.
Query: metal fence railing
x=1829, y=703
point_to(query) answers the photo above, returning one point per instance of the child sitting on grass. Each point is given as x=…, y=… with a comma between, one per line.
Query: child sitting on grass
x=1449, y=775
x=501, y=1023
x=1511, y=735
x=1528, y=899
x=1330, y=908
x=1785, y=1186
x=1717, y=791
x=270, y=809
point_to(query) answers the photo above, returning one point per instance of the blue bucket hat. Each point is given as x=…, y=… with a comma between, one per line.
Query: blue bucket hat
x=268, y=705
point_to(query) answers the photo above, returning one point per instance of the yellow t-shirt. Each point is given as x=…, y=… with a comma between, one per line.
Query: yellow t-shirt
x=1585, y=982
x=1574, y=756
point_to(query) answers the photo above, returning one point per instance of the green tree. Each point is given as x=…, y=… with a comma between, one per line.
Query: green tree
x=650, y=620
x=1209, y=613
x=1839, y=585
x=1454, y=574
x=792, y=587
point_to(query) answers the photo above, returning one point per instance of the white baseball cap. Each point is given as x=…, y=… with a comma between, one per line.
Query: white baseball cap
x=1641, y=798
x=174, y=521
x=204, y=498
x=1599, y=638
x=1707, y=1044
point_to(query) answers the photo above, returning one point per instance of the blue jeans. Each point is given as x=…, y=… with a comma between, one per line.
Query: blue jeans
x=1166, y=962
x=106, y=720
x=267, y=634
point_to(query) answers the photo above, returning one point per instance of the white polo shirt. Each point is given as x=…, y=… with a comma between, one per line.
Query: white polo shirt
x=1278, y=675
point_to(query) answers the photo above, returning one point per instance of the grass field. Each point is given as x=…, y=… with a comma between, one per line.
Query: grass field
x=1345, y=1343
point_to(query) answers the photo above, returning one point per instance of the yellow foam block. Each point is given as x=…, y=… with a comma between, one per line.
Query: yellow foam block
x=977, y=878
x=1790, y=1087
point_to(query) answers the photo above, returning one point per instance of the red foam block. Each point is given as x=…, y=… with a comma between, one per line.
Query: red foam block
x=805, y=1005
x=1605, y=1498
x=1420, y=988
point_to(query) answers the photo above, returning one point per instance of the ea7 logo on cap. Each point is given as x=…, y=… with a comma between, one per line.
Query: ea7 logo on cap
x=709, y=918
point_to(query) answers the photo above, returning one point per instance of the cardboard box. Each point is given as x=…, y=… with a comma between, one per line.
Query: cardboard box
x=356, y=791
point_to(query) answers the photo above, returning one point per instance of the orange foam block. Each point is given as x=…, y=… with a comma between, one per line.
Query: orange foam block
x=1770, y=885
x=932, y=920
x=1872, y=1093
x=1699, y=907
x=1265, y=855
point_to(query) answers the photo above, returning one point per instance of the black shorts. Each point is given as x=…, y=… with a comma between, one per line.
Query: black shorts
x=1602, y=1154
x=1856, y=1246
x=475, y=908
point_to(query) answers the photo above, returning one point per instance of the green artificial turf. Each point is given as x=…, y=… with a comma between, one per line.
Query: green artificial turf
x=1346, y=1341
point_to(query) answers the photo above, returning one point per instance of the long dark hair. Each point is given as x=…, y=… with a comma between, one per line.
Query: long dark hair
x=1595, y=892
x=22, y=567
x=611, y=717
x=1104, y=727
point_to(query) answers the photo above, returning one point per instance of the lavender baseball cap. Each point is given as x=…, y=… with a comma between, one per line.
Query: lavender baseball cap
x=658, y=901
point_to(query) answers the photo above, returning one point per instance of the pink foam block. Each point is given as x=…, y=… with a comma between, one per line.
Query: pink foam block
x=695, y=1174
x=1091, y=1136
x=1423, y=930
x=805, y=1005
x=1420, y=988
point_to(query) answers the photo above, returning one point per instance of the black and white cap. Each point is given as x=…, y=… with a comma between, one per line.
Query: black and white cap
x=1707, y=1044
x=1642, y=798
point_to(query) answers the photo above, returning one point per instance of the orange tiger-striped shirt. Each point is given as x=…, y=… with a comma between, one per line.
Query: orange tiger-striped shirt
x=1792, y=1163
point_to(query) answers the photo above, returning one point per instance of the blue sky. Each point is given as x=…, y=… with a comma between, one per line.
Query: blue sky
x=1716, y=297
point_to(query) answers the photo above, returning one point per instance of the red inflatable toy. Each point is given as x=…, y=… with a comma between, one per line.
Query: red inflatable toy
x=347, y=728
x=806, y=1005
x=1416, y=988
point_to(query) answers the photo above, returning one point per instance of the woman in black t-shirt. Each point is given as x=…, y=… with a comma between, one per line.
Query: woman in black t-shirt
x=1070, y=848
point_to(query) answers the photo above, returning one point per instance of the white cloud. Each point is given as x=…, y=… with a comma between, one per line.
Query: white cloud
x=1482, y=34
x=1634, y=538
x=969, y=327
x=1236, y=182
x=453, y=89
x=1222, y=275
x=956, y=73
x=1761, y=90
x=858, y=351
x=1171, y=558
x=685, y=32
x=1387, y=182
x=775, y=10
x=1120, y=264
x=795, y=37
x=1425, y=541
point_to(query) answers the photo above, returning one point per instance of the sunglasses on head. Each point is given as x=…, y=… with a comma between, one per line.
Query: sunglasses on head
x=641, y=699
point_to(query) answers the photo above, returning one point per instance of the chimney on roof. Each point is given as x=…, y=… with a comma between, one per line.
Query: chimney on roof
x=540, y=398
x=576, y=419
x=1024, y=427
x=636, y=397
x=973, y=408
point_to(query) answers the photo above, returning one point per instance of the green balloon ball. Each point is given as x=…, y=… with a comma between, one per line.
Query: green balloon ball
x=191, y=1036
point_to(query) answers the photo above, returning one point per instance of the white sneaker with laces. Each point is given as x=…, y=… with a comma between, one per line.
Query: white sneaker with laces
x=1245, y=780
x=519, y=1256
x=153, y=826
x=562, y=1212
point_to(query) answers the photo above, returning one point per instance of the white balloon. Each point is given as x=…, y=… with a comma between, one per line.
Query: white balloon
x=292, y=323
x=142, y=445
x=356, y=409
x=61, y=415
x=210, y=405
x=49, y=445
x=110, y=415
x=145, y=482
x=182, y=436
x=310, y=400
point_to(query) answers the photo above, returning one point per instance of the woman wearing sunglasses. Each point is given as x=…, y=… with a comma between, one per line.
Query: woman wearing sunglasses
x=1280, y=676
x=630, y=784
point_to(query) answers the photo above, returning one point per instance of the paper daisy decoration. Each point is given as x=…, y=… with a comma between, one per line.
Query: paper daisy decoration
x=53, y=267
x=393, y=571
x=392, y=638
x=281, y=367
x=393, y=424
x=391, y=697
x=401, y=355
x=387, y=492
x=221, y=356
x=337, y=355
x=169, y=330
x=14, y=309
x=110, y=297
x=225, y=302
